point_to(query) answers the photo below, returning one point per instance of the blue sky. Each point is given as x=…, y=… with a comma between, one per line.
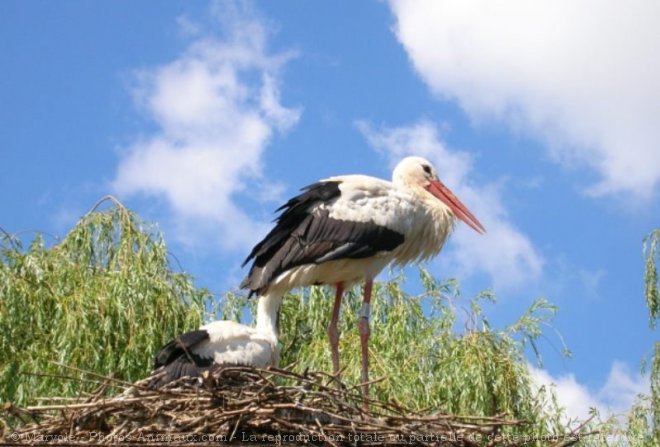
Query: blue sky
x=204, y=117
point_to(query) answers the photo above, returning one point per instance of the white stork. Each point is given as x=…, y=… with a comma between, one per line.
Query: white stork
x=222, y=343
x=346, y=229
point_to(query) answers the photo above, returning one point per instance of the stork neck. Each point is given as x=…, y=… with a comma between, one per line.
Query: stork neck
x=268, y=315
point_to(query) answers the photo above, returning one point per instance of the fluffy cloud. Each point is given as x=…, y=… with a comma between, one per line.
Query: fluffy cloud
x=504, y=252
x=579, y=76
x=615, y=397
x=216, y=108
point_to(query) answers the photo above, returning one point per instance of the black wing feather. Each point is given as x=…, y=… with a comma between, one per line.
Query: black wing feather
x=303, y=235
x=293, y=212
x=182, y=347
x=177, y=359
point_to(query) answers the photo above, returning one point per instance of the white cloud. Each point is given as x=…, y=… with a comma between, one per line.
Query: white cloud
x=615, y=397
x=217, y=107
x=575, y=398
x=580, y=76
x=504, y=252
x=622, y=387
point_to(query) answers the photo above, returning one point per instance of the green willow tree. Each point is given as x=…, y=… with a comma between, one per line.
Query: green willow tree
x=642, y=425
x=104, y=299
x=651, y=253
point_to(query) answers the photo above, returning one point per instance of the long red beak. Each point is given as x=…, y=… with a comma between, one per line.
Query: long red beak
x=439, y=190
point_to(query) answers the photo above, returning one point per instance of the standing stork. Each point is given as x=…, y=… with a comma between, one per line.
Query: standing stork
x=346, y=229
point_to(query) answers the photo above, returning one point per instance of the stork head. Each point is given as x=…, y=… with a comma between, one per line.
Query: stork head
x=418, y=173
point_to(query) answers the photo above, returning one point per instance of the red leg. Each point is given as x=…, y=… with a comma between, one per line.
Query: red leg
x=333, y=332
x=363, y=327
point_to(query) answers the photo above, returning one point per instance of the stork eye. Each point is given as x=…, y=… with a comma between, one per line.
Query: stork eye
x=427, y=169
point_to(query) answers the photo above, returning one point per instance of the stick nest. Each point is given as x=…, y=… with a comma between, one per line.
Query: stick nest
x=242, y=404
